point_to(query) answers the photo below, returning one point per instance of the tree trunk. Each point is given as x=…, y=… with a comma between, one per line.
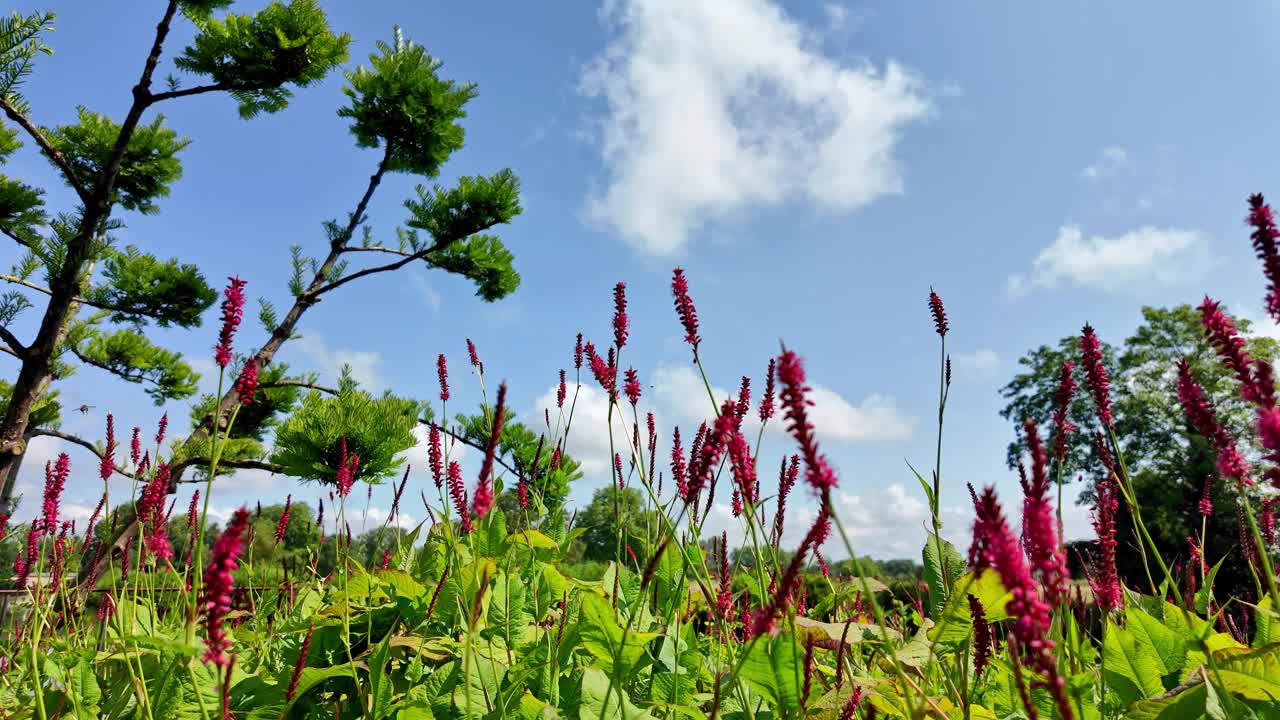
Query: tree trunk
x=65, y=283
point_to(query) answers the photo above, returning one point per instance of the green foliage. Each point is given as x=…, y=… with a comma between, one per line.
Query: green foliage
x=376, y=429
x=139, y=286
x=150, y=164
x=47, y=412
x=475, y=204
x=130, y=356
x=20, y=43
x=270, y=403
x=402, y=105
x=254, y=56
x=21, y=205
x=484, y=260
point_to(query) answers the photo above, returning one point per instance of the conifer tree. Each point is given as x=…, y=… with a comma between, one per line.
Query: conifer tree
x=399, y=107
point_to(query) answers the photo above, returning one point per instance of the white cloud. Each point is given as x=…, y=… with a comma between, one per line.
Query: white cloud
x=978, y=362
x=1111, y=161
x=588, y=441
x=429, y=295
x=328, y=361
x=876, y=419
x=716, y=106
x=1146, y=256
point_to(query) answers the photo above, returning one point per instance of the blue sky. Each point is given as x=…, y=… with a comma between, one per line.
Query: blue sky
x=814, y=167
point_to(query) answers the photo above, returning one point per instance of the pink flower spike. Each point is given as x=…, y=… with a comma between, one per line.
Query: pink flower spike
x=459, y=495
x=795, y=405
x=1062, y=397
x=632, y=386
x=939, y=313
x=247, y=383
x=685, y=310
x=435, y=457
x=484, y=486
x=442, y=372
x=161, y=428
x=283, y=524
x=108, y=465
x=1104, y=578
x=1096, y=373
x=135, y=447
x=621, y=324
x=1264, y=237
x=766, y=400
x=1039, y=523
x=232, y=313
x=1222, y=334
x=475, y=358
x=215, y=601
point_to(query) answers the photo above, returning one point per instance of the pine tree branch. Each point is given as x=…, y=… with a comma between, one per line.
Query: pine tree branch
x=55, y=155
x=298, y=383
x=24, y=242
x=14, y=279
x=77, y=440
x=380, y=249
x=469, y=443
x=15, y=347
x=389, y=267
x=197, y=90
x=118, y=372
x=245, y=464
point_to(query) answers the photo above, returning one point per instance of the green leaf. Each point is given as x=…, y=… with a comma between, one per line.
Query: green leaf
x=379, y=683
x=773, y=668
x=604, y=638
x=508, y=616
x=82, y=687
x=1251, y=674
x=1149, y=633
x=181, y=688
x=490, y=535
x=534, y=539
x=957, y=619
x=311, y=677
x=476, y=692
x=138, y=286
x=1268, y=630
x=597, y=701
x=1131, y=664
x=942, y=565
x=1187, y=705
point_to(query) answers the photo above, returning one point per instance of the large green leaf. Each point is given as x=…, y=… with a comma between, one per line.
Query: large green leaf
x=182, y=687
x=957, y=619
x=508, y=615
x=476, y=692
x=599, y=701
x=1151, y=634
x=379, y=681
x=774, y=668
x=942, y=565
x=1131, y=664
x=604, y=638
x=1251, y=674
x=83, y=690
